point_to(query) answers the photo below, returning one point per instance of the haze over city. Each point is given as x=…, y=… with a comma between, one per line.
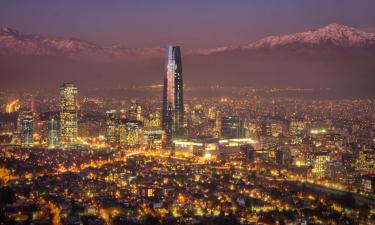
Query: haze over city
x=121, y=44
x=187, y=112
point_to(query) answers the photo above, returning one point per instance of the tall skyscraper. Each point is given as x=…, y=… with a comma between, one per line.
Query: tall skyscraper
x=68, y=113
x=173, y=102
x=26, y=128
x=111, y=127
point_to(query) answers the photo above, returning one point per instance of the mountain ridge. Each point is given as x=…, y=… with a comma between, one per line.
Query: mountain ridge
x=14, y=42
x=333, y=34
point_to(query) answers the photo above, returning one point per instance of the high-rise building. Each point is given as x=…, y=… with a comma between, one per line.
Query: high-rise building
x=152, y=138
x=173, y=103
x=111, y=127
x=129, y=133
x=26, y=129
x=319, y=163
x=16, y=139
x=53, y=133
x=232, y=127
x=152, y=120
x=139, y=116
x=68, y=113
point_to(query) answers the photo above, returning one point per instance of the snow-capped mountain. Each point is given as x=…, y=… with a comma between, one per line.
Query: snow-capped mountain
x=333, y=34
x=13, y=42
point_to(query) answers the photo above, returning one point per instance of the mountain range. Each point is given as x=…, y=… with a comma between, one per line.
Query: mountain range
x=13, y=42
x=334, y=56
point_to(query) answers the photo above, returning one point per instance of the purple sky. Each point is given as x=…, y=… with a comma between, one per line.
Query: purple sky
x=193, y=24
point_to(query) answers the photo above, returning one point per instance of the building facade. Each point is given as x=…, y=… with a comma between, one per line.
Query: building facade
x=68, y=113
x=173, y=103
x=53, y=133
x=111, y=127
x=129, y=133
x=27, y=128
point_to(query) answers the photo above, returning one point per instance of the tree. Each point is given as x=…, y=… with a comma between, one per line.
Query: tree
x=150, y=220
x=364, y=212
x=348, y=200
x=7, y=196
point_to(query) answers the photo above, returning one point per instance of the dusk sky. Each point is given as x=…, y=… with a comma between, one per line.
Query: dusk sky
x=193, y=24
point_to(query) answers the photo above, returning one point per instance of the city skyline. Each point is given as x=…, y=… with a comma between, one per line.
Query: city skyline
x=252, y=149
x=203, y=113
x=68, y=113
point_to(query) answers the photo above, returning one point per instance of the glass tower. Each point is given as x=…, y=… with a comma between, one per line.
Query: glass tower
x=173, y=102
x=111, y=126
x=68, y=113
x=26, y=122
x=53, y=133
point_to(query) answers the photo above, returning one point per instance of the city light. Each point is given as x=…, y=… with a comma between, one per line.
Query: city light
x=216, y=128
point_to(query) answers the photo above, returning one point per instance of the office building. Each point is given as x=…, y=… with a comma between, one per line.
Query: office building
x=26, y=129
x=111, y=127
x=53, y=133
x=173, y=103
x=68, y=113
x=129, y=133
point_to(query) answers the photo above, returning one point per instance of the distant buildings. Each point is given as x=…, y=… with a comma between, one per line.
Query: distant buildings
x=173, y=102
x=53, y=133
x=296, y=127
x=368, y=183
x=139, y=116
x=215, y=147
x=319, y=164
x=232, y=127
x=325, y=145
x=276, y=129
x=365, y=160
x=68, y=113
x=128, y=130
x=152, y=138
x=111, y=127
x=129, y=133
x=26, y=128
